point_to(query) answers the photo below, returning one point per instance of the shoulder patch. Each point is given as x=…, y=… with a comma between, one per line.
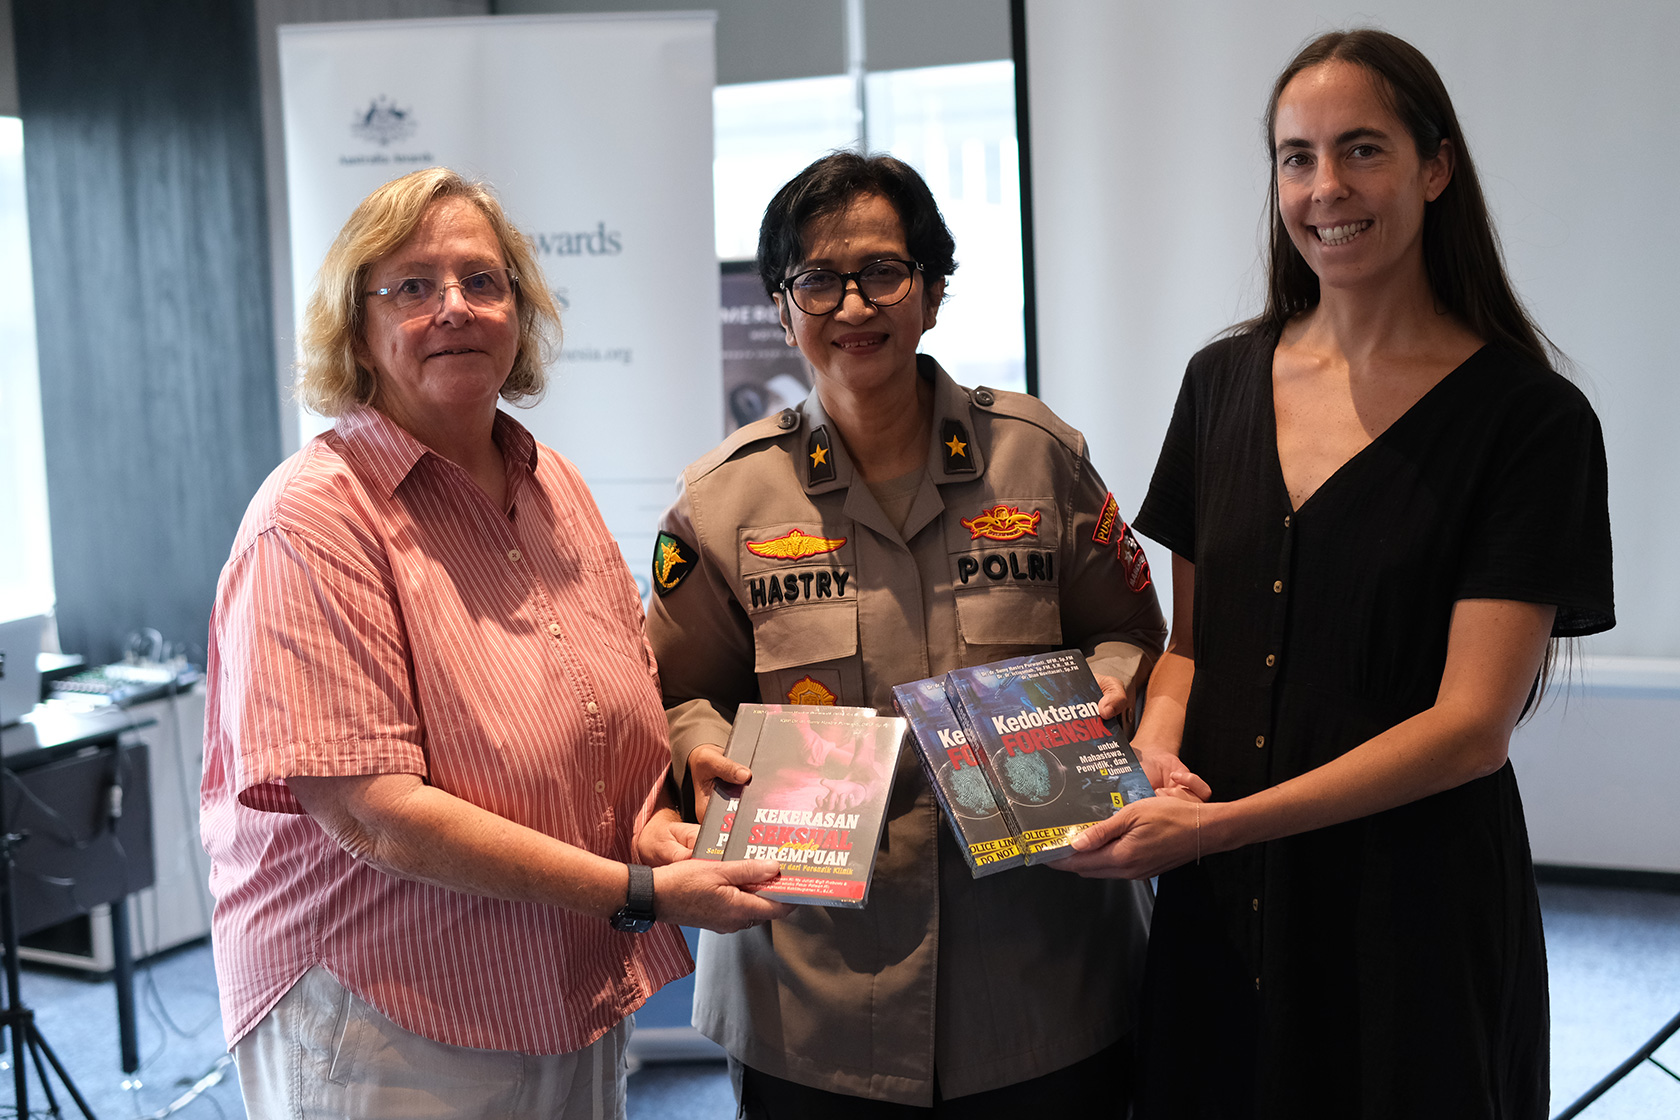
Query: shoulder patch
x=673, y=559
x=819, y=455
x=958, y=458
x=1132, y=560
x=1107, y=518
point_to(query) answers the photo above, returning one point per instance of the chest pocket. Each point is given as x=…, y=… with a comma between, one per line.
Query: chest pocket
x=788, y=639
x=797, y=587
x=1004, y=565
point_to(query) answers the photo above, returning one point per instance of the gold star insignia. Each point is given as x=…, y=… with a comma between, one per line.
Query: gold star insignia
x=819, y=456
x=956, y=445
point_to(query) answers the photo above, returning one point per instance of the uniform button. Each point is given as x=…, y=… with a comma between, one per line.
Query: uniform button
x=788, y=420
x=1271, y=659
x=1259, y=740
x=513, y=555
x=1286, y=520
x=600, y=787
x=554, y=628
x=1257, y=904
x=1257, y=983
x=592, y=707
x=984, y=397
x=1277, y=585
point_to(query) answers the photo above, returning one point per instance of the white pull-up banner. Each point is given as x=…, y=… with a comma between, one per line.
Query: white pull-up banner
x=596, y=132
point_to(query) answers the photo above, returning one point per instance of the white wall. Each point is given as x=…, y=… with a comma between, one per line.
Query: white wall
x=1599, y=764
x=1149, y=178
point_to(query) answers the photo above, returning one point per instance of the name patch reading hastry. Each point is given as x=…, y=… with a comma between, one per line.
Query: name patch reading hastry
x=796, y=586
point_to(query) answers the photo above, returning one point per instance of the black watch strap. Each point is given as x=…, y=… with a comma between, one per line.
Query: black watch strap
x=636, y=915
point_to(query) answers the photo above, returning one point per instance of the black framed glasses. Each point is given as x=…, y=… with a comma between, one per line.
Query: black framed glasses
x=882, y=283
x=485, y=290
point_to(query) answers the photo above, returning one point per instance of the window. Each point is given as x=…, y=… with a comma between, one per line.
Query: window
x=953, y=124
x=26, y=586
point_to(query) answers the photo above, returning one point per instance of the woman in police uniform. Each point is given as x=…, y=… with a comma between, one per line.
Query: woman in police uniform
x=893, y=526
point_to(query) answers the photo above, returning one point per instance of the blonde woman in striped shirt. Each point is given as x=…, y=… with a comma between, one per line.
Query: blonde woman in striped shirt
x=433, y=719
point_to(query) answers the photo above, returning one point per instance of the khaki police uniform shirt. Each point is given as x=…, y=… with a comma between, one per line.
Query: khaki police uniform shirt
x=780, y=579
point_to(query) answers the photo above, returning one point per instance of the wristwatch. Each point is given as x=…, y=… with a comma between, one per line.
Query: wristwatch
x=636, y=915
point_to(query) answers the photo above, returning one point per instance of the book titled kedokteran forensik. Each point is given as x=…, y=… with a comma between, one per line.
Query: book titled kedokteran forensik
x=972, y=804
x=817, y=801
x=1055, y=767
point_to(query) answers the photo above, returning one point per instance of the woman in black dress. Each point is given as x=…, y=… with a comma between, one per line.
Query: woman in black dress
x=1382, y=503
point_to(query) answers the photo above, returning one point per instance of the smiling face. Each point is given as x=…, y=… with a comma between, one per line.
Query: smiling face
x=860, y=347
x=447, y=360
x=1351, y=186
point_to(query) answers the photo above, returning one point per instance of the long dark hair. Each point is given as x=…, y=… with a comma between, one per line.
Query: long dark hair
x=1460, y=249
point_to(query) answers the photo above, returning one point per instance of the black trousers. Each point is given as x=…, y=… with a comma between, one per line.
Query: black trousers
x=1101, y=1085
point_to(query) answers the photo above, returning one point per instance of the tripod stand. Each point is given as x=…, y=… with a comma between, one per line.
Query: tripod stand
x=19, y=1020
x=1643, y=1054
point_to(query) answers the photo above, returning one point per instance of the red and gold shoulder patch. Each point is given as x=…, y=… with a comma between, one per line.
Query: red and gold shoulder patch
x=1107, y=518
x=794, y=545
x=808, y=691
x=1002, y=523
x=1132, y=559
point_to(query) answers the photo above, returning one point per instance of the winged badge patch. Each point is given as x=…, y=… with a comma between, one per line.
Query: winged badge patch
x=794, y=545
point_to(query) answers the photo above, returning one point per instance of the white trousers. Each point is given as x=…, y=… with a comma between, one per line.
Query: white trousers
x=324, y=1053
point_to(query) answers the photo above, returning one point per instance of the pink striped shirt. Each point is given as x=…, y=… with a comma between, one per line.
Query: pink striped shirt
x=379, y=615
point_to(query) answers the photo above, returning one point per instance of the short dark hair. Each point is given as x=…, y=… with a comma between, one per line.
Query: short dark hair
x=827, y=187
x=1460, y=249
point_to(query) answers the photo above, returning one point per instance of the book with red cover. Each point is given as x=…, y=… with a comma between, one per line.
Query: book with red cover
x=817, y=801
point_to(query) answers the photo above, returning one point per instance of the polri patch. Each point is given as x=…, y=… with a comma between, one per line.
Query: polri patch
x=1002, y=523
x=954, y=438
x=1107, y=518
x=673, y=559
x=819, y=457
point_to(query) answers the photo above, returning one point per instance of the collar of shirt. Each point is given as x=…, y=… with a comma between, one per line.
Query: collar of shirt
x=383, y=452
x=952, y=418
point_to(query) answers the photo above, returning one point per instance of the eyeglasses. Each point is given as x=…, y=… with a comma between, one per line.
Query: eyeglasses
x=485, y=290
x=881, y=283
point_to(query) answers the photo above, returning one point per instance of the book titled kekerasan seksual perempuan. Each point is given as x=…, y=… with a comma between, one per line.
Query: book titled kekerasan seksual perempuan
x=817, y=801
x=1033, y=725
x=970, y=801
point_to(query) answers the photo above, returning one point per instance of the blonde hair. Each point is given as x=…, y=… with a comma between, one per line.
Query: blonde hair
x=329, y=377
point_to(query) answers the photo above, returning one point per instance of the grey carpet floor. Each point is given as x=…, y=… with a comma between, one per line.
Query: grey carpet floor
x=1615, y=971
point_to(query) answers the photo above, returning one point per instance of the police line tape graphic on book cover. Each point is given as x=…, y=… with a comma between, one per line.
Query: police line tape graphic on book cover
x=817, y=801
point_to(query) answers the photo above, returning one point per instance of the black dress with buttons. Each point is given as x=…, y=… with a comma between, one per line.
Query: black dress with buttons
x=1391, y=966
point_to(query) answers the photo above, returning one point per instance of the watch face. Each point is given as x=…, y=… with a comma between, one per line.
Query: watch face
x=626, y=922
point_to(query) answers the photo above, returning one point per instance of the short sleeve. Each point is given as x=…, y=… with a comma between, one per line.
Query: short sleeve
x=1108, y=603
x=313, y=673
x=699, y=636
x=1540, y=521
x=1168, y=513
